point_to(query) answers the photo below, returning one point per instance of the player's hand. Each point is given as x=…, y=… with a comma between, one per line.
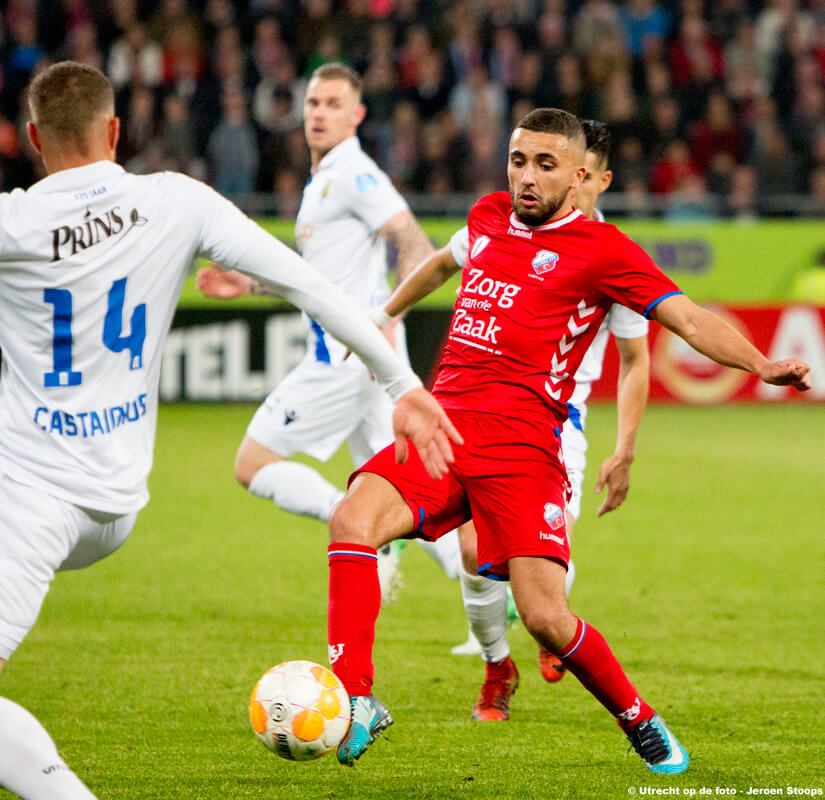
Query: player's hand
x=214, y=282
x=615, y=475
x=790, y=372
x=419, y=418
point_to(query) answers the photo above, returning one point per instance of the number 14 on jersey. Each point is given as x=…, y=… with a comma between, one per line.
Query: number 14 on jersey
x=62, y=373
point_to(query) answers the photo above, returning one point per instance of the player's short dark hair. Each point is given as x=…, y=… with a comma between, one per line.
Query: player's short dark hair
x=553, y=120
x=66, y=97
x=335, y=70
x=598, y=139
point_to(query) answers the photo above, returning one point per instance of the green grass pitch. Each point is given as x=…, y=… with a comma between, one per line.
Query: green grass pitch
x=708, y=584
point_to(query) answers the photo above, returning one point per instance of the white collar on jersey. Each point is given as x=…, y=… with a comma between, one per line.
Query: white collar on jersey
x=517, y=223
x=77, y=176
x=341, y=150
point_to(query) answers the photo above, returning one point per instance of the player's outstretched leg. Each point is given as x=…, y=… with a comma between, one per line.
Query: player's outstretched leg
x=30, y=765
x=371, y=514
x=538, y=585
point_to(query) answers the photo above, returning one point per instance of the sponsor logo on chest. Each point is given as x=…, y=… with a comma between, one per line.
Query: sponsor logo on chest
x=68, y=240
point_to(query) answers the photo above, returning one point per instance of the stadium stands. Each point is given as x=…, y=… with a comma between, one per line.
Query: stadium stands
x=716, y=109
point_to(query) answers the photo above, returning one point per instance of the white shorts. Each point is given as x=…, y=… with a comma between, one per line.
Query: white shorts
x=39, y=535
x=574, y=448
x=320, y=405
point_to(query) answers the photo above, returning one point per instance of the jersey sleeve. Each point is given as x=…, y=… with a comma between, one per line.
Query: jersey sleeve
x=5, y=204
x=371, y=196
x=460, y=246
x=625, y=323
x=231, y=238
x=625, y=273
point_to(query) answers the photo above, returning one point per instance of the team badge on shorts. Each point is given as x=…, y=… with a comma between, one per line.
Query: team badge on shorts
x=553, y=516
x=544, y=261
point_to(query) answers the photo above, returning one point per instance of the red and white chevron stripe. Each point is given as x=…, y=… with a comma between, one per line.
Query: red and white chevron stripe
x=577, y=324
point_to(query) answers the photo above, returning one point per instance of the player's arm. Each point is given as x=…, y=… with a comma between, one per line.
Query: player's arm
x=631, y=399
x=424, y=279
x=417, y=415
x=401, y=230
x=713, y=337
x=405, y=234
x=229, y=237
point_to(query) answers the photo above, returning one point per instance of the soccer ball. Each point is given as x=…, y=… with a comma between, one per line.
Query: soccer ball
x=299, y=710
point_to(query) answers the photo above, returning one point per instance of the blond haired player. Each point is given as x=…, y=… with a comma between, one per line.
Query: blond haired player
x=350, y=212
x=92, y=260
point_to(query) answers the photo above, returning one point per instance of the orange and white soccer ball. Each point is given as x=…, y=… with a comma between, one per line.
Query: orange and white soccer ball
x=299, y=710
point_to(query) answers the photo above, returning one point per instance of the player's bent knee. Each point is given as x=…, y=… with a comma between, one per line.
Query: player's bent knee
x=350, y=522
x=372, y=513
x=245, y=468
x=251, y=458
x=548, y=626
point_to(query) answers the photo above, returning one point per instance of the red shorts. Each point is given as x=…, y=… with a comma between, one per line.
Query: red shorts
x=508, y=477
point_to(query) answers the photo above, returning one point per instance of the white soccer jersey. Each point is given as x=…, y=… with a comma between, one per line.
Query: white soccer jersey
x=92, y=261
x=345, y=203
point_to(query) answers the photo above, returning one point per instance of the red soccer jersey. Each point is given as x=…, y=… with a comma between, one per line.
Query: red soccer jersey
x=530, y=303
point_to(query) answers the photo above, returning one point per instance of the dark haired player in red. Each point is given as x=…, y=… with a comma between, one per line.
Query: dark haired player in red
x=538, y=278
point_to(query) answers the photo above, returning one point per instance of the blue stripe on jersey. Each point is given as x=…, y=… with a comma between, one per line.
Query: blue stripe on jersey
x=321, y=349
x=421, y=516
x=659, y=300
x=575, y=417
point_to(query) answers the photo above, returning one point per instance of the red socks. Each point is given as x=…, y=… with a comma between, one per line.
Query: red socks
x=590, y=659
x=354, y=603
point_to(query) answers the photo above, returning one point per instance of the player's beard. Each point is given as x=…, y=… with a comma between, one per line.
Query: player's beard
x=542, y=213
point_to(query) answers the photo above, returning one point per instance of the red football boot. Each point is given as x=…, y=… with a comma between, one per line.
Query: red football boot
x=551, y=666
x=493, y=704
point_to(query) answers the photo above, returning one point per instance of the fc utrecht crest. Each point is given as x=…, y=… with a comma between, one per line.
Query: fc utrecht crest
x=553, y=516
x=478, y=245
x=544, y=261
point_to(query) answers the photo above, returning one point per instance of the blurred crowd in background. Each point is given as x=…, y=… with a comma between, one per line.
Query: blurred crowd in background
x=716, y=108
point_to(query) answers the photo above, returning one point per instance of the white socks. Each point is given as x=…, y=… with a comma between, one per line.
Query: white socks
x=297, y=488
x=446, y=552
x=485, y=603
x=29, y=764
x=569, y=578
